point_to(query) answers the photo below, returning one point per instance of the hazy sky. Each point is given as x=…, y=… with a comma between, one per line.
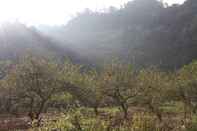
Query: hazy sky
x=52, y=11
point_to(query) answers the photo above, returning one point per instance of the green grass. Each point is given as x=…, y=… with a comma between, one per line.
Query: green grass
x=176, y=107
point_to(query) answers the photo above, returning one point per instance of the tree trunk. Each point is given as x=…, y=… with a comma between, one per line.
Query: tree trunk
x=96, y=111
x=194, y=109
x=187, y=110
x=39, y=112
x=156, y=111
x=125, y=110
x=40, y=109
x=159, y=116
x=77, y=124
x=31, y=114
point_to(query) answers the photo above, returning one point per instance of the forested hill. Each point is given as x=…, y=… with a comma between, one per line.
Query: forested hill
x=17, y=40
x=144, y=32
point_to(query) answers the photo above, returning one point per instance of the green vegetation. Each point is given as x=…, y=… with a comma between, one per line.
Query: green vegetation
x=140, y=122
x=114, y=98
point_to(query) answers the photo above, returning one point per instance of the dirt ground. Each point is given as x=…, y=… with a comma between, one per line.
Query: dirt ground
x=8, y=122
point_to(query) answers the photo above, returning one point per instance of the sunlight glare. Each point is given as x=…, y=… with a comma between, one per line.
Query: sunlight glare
x=50, y=11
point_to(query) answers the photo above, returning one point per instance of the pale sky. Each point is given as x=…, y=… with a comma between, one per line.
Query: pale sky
x=52, y=12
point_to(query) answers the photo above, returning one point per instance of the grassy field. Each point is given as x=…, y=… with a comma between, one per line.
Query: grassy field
x=109, y=119
x=112, y=120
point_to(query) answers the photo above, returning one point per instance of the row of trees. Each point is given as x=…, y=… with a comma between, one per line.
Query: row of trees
x=33, y=85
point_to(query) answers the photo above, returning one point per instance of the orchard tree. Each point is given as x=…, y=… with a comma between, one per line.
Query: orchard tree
x=6, y=92
x=92, y=86
x=35, y=81
x=186, y=85
x=83, y=85
x=119, y=84
x=7, y=97
x=153, y=86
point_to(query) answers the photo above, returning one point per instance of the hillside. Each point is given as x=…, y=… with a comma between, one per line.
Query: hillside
x=143, y=32
x=17, y=40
